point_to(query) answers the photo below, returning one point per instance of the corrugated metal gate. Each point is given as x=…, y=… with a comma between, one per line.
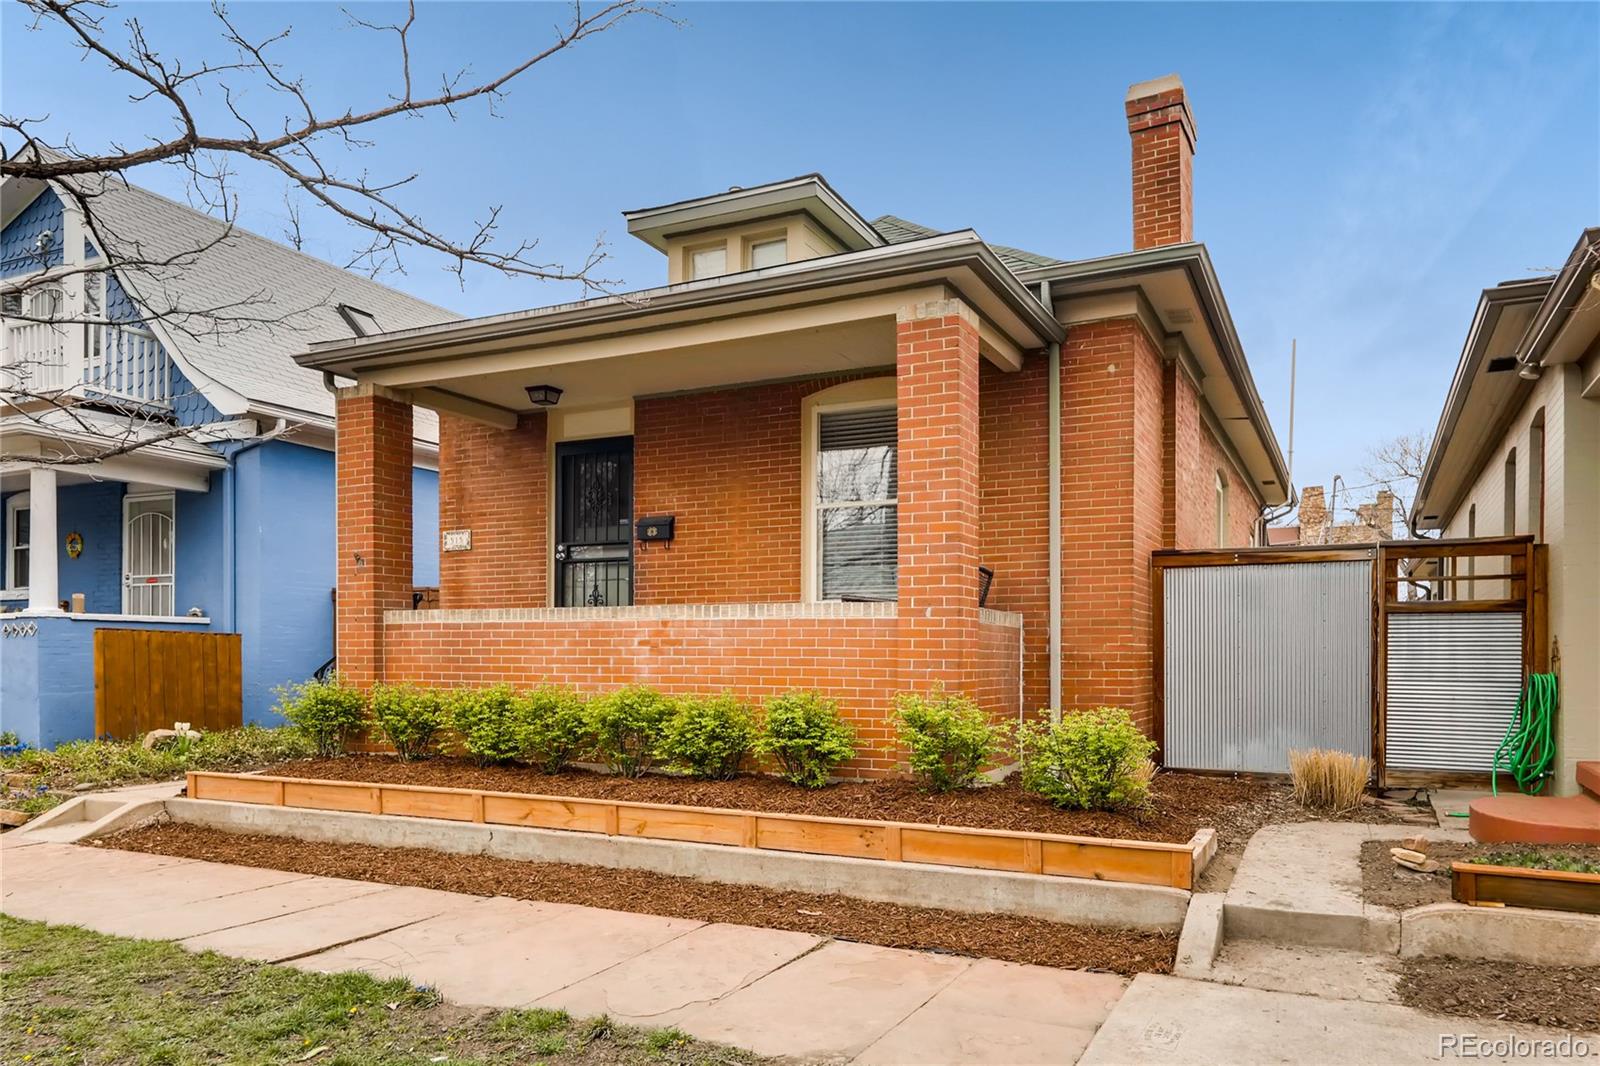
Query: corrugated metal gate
x=1261, y=659
x=1413, y=652
x=1452, y=682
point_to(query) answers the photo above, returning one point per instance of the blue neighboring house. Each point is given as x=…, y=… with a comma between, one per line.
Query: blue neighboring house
x=200, y=494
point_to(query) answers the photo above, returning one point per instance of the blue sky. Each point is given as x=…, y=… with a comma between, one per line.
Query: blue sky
x=1363, y=169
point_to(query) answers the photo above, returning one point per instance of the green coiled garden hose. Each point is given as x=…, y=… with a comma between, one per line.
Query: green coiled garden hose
x=1529, y=746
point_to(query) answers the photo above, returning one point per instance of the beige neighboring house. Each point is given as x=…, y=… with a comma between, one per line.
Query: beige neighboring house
x=1517, y=451
x=1315, y=525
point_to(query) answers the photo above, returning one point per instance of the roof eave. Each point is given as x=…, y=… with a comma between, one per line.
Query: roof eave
x=1195, y=260
x=946, y=251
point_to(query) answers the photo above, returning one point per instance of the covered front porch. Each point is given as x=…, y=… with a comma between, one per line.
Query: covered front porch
x=785, y=499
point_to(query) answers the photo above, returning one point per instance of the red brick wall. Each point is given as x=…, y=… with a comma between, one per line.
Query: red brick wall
x=727, y=465
x=1112, y=486
x=495, y=483
x=1014, y=512
x=851, y=659
x=937, y=394
x=1190, y=508
x=998, y=689
x=373, y=487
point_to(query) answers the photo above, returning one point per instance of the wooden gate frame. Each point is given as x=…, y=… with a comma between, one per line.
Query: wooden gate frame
x=1526, y=574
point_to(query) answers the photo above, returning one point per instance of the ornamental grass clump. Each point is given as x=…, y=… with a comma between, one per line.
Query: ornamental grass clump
x=556, y=727
x=806, y=736
x=710, y=736
x=490, y=722
x=627, y=727
x=1329, y=780
x=408, y=717
x=1095, y=760
x=948, y=737
x=328, y=713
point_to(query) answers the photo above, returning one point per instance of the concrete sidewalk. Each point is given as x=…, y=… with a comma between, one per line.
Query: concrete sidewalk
x=777, y=993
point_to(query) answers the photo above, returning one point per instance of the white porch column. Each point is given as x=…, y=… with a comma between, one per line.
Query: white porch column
x=43, y=593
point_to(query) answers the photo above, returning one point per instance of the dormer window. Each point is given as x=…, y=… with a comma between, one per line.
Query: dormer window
x=768, y=253
x=708, y=262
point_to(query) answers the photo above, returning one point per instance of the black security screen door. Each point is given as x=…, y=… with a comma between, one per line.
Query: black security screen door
x=594, y=523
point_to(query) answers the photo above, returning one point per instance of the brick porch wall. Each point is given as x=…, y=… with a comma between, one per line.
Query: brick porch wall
x=846, y=651
x=495, y=483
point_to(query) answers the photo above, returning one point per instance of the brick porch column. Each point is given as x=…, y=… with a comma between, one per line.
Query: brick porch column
x=373, y=486
x=936, y=360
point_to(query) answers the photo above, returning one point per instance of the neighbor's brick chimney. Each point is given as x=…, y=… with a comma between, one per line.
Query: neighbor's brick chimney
x=1162, y=128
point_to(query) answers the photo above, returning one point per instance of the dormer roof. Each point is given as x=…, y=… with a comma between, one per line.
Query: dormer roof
x=809, y=194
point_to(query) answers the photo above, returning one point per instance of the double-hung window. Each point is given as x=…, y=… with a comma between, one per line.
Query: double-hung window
x=856, y=504
x=18, y=527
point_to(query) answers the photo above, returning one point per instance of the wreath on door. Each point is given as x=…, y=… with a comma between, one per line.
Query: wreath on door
x=74, y=544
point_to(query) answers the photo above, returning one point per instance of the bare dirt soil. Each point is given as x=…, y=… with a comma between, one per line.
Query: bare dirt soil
x=1180, y=803
x=1566, y=997
x=1388, y=884
x=995, y=936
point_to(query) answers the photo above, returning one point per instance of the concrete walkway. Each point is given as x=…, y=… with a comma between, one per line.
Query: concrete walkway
x=777, y=993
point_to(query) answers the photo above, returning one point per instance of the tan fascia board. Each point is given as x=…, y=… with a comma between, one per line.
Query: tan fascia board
x=1196, y=264
x=1491, y=304
x=656, y=225
x=662, y=339
x=1575, y=286
x=961, y=258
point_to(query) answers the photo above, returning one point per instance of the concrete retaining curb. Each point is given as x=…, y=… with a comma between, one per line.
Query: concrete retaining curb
x=1506, y=934
x=1201, y=939
x=88, y=816
x=1063, y=899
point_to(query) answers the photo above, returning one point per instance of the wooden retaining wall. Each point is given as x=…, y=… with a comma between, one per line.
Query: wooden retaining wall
x=1519, y=886
x=1138, y=862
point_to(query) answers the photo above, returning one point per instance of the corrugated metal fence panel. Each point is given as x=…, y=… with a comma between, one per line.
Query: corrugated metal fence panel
x=1262, y=659
x=1453, y=682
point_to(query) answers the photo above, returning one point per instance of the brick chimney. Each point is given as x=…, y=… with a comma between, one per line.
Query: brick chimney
x=1313, y=515
x=1162, y=128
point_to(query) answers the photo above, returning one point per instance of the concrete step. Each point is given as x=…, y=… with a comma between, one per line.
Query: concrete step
x=1515, y=819
x=1331, y=973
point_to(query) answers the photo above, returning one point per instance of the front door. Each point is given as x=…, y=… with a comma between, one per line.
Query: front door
x=148, y=555
x=594, y=523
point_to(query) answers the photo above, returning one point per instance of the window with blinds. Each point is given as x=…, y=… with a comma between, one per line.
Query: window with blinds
x=856, y=504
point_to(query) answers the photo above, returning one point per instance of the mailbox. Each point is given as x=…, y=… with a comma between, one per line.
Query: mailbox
x=655, y=527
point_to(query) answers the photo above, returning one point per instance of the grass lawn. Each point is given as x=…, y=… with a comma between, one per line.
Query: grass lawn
x=71, y=996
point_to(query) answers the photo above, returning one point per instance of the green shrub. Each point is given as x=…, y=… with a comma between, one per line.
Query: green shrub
x=328, y=712
x=556, y=727
x=408, y=717
x=804, y=733
x=948, y=736
x=1091, y=760
x=93, y=762
x=491, y=722
x=710, y=736
x=627, y=726
x=246, y=749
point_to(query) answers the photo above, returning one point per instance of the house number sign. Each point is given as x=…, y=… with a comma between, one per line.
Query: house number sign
x=456, y=540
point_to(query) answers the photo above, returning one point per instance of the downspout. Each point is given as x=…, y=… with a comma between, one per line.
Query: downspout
x=230, y=525
x=1053, y=448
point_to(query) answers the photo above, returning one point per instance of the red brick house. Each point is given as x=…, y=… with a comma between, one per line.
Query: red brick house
x=797, y=463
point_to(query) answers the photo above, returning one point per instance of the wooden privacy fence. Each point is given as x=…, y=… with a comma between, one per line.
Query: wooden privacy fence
x=147, y=679
x=1130, y=861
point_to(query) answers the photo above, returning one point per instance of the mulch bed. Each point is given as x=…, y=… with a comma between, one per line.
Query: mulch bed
x=1388, y=884
x=1566, y=997
x=1180, y=803
x=994, y=936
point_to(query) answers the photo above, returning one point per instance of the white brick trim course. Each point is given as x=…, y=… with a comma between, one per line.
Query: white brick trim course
x=685, y=612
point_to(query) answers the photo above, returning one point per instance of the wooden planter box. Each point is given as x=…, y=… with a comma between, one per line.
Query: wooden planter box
x=1519, y=886
x=1139, y=862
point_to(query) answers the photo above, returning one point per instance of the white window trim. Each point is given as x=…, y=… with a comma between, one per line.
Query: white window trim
x=1221, y=495
x=20, y=501
x=133, y=497
x=859, y=395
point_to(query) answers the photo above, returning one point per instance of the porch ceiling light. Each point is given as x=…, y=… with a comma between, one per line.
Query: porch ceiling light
x=544, y=395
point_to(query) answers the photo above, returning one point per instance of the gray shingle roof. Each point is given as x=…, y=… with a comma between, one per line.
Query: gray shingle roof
x=897, y=231
x=261, y=279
